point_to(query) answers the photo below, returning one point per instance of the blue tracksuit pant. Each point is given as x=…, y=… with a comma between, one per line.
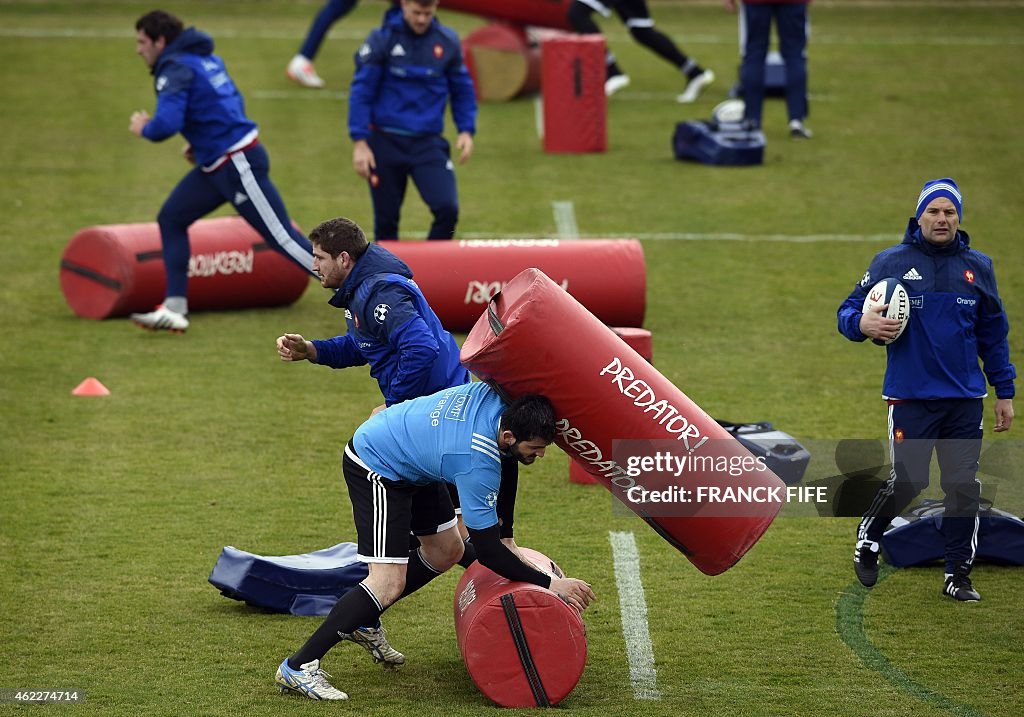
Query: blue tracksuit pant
x=331, y=12
x=952, y=429
x=791, y=21
x=244, y=181
x=427, y=160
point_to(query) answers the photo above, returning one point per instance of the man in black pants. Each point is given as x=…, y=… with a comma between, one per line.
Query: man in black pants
x=637, y=17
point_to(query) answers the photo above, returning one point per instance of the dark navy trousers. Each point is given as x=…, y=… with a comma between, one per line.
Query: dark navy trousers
x=244, y=181
x=427, y=160
x=791, y=21
x=331, y=12
x=952, y=430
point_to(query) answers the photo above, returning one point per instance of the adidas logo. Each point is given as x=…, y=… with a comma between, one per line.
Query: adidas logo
x=398, y=51
x=239, y=198
x=912, y=275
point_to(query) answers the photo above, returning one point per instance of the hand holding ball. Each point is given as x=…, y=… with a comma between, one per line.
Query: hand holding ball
x=887, y=299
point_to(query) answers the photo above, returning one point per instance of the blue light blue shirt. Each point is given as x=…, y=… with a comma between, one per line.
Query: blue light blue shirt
x=449, y=436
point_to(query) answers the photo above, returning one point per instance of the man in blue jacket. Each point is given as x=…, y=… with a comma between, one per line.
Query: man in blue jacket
x=405, y=73
x=196, y=97
x=393, y=329
x=933, y=383
x=390, y=325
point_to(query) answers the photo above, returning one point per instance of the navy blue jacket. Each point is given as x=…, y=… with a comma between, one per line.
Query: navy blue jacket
x=195, y=96
x=403, y=80
x=391, y=327
x=956, y=317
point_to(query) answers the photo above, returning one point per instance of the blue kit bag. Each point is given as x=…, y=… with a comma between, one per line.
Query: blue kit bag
x=307, y=584
x=782, y=453
x=916, y=536
x=720, y=144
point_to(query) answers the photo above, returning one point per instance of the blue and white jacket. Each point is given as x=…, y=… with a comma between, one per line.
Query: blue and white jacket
x=392, y=328
x=403, y=81
x=196, y=97
x=956, y=316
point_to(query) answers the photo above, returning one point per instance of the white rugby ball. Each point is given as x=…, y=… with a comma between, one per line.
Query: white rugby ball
x=889, y=291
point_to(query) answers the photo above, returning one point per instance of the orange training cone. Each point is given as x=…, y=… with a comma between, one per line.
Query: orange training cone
x=90, y=387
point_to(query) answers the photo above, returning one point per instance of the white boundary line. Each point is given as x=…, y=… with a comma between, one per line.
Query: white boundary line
x=565, y=220
x=66, y=33
x=686, y=236
x=633, y=606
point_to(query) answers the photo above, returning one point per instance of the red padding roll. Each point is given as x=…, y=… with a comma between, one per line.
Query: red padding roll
x=639, y=340
x=572, y=85
x=117, y=269
x=522, y=645
x=537, y=13
x=501, y=62
x=459, y=277
x=535, y=338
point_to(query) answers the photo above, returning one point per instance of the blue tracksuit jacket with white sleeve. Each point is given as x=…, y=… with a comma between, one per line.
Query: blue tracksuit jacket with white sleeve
x=392, y=328
x=196, y=97
x=956, y=316
x=450, y=436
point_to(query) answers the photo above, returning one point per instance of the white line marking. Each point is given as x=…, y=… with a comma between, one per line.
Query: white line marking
x=292, y=95
x=59, y=33
x=565, y=220
x=538, y=116
x=633, y=606
x=681, y=236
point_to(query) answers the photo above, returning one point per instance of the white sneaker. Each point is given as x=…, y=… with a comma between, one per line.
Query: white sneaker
x=162, y=319
x=375, y=641
x=615, y=83
x=695, y=86
x=798, y=130
x=300, y=70
x=308, y=680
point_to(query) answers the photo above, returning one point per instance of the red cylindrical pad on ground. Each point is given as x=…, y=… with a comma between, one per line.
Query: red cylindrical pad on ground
x=572, y=86
x=458, y=277
x=501, y=62
x=523, y=645
x=117, y=269
x=535, y=338
x=537, y=13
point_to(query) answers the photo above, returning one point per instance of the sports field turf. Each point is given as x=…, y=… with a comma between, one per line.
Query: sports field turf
x=113, y=510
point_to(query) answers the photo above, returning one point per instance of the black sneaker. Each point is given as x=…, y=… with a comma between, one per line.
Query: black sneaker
x=865, y=562
x=958, y=586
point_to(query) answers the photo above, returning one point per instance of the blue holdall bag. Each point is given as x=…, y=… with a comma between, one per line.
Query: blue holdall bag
x=916, y=536
x=718, y=143
x=307, y=584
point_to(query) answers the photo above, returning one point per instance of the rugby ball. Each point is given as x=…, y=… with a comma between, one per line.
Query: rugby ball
x=889, y=291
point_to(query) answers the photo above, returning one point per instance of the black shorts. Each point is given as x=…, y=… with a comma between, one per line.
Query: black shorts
x=385, y=511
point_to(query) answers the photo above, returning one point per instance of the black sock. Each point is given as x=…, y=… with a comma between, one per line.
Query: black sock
x=469, y=554
x=359, y=606
x=418, y=573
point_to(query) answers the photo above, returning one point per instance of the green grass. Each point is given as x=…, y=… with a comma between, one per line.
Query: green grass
x=113, y=510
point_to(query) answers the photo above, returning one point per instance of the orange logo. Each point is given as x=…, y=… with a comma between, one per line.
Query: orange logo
x=898, y=435
x=374, y=180
x=438, y=52
x=969, y=275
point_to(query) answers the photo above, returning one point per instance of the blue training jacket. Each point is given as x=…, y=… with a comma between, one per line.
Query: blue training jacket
x=403, y=80
x=956, y=316
x=196, y=96
x=451, y=437
x=392, y=328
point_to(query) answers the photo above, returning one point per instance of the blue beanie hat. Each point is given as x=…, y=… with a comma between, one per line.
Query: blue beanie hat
x=944, y=187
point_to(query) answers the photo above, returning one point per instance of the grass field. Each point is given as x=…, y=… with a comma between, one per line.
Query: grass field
x=113, y=510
